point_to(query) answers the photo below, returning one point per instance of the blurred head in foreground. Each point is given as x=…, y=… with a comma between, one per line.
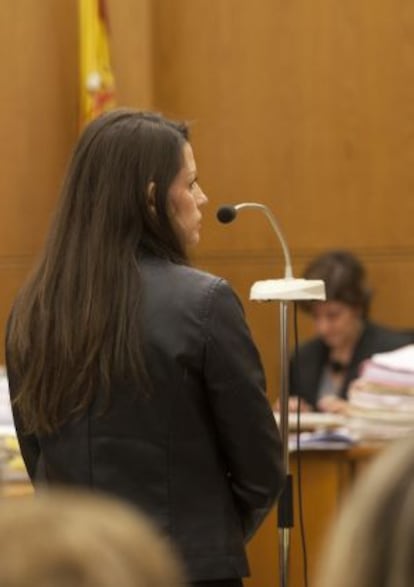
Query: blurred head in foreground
x=372, y=543
x=71, y=539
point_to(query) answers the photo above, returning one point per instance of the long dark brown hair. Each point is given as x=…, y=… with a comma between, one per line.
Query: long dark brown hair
x=72, y=327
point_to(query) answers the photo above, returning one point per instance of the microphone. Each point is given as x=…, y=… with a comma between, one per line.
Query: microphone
x=226, y=214
x=284, y=290
x=288, y=288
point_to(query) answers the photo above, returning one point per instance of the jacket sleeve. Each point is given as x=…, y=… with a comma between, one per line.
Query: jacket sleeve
x=246, y=427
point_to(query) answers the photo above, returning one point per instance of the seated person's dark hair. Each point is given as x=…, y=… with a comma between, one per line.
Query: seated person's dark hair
x=344, y=278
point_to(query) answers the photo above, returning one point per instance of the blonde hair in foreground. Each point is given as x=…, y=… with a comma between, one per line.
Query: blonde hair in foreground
x=372, y=543
x=71, y=539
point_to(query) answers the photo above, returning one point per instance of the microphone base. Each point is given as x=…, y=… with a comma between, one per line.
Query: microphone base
x=288, y=289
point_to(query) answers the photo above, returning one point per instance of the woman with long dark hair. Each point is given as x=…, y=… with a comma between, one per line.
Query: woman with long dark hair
x=130, y=371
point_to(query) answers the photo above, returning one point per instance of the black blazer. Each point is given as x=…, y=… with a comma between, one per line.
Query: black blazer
x=200, y=451
x=306, y=369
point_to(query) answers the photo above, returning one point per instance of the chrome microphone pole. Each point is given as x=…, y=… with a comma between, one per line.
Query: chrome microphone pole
x=285, y=503
x=283, y=290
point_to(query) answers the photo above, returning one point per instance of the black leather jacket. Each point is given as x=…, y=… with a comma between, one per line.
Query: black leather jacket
x=200, y=451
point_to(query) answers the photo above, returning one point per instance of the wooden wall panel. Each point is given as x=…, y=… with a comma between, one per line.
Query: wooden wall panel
x=307, y=107
x=132, y=51
x=301, y=105
x=38, y=118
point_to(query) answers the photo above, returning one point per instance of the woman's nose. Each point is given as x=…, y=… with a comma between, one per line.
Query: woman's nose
x=201, y=197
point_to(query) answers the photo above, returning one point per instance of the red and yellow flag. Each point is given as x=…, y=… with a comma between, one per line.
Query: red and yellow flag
x=97, y=80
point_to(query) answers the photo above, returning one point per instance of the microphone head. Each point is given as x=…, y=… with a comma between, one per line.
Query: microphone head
x=226, y=214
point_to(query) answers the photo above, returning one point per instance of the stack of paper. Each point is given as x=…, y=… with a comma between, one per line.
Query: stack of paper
x=381, y=400
x=6, y=418
x=11, y=463
x=318, y=431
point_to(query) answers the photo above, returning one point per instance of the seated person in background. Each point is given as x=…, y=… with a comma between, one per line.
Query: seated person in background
x=372, y=542
x=321, y=373
x=74, y=539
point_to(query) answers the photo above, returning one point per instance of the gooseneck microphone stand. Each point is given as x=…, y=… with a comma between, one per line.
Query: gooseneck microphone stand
x=284, y=290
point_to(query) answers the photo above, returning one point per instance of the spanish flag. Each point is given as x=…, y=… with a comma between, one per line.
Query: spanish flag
x=97, y=80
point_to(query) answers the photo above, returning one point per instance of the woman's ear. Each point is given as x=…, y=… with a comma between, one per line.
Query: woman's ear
x=151, y=198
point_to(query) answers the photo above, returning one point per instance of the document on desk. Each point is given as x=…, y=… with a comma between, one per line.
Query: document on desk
x=319, y=431
x=313, y=421
x=11, y=463
x=6, y=416
x=340, y=439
